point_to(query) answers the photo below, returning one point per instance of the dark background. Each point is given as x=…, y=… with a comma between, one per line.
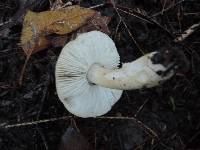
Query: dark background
x=171, y=110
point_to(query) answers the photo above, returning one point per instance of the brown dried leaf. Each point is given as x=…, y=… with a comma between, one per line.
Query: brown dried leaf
x=37, y=26
x=97, y=22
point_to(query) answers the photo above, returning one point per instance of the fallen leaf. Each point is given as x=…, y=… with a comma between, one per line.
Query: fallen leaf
x=37, y=26
x=97, y=22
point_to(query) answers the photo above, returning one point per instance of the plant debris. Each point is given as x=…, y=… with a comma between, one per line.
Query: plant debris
x=37, y=26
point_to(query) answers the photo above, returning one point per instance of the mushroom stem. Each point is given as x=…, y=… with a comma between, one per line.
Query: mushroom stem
x=134, y=75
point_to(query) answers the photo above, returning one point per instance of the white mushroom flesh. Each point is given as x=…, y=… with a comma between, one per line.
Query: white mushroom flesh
x=135, y=75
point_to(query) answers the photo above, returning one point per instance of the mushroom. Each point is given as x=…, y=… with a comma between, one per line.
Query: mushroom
x=88, y=80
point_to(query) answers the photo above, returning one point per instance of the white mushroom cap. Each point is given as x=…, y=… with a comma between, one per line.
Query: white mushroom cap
x=81, y=98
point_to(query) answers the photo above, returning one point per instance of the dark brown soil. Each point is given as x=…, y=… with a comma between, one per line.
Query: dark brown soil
x=171, y=110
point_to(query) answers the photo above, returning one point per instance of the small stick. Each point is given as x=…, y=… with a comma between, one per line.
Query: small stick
x=129, y=13
x=3, y=125
x=141, y=107
x=124, y=23
x=168, y=8
x=96, y=6
x=3, y=23
x=23, y=70
x=187, y=33
x=43, y=138
x=117, y=28
x=148, y=130
x=145, y=127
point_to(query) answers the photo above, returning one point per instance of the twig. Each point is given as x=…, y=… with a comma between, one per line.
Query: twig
x=40, y=110
x=179, y=14
x=129, y=32
x=74, y=125
x=96, y=6
x=3, y=23
x=43, y=138
x=164, y=6
x=50, y=3
x=4, y=85
x=117, y=28
x=129, y=13
x=23, y=70
x=44, y=94
x=168, y=8
x=187, y=33
x=141, y=124
x=192, y=138
x=124, y=23
x=33, y=122
x=127, y=96
x=163, y=28
x=191, y=13
x=95, y=140
x=145, y=127
x=145, y=18
x=67, y=4
x=141, y=107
